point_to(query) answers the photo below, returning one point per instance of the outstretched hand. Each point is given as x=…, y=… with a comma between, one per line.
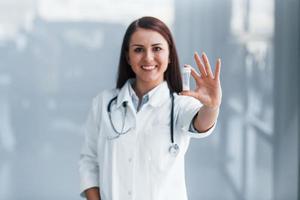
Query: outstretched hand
x=208, y=86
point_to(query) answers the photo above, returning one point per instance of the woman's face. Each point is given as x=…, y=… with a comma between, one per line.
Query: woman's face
x=148, y=57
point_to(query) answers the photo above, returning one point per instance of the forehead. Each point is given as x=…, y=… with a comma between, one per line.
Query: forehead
x=147, y=37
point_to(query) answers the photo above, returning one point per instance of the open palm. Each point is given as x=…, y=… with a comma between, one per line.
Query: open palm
x=208, y=86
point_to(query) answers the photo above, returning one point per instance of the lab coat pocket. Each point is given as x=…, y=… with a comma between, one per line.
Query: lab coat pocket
x=158, y=142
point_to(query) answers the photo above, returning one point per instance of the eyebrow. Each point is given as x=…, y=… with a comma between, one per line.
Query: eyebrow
x=140, y=45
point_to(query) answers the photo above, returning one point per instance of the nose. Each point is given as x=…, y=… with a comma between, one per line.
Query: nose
x=149, y=56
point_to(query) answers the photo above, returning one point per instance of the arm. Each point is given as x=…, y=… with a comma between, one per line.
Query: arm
x=88, y=163
x=208, y=92
x=92, y=193
x=206, y=118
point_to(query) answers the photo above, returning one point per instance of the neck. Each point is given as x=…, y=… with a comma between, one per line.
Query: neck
x=142, y=89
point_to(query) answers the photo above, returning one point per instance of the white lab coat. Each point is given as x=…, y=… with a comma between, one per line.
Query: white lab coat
x=137, y=165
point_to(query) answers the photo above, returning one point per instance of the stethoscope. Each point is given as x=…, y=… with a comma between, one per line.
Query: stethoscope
x=173, y=149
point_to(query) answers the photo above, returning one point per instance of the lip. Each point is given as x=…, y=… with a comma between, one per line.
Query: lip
x=149, y=67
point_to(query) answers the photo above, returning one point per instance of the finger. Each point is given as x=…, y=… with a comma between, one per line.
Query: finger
x=194, y=73
x=189, y=93
x=218, y=69
x=199, y=64
x=207, y=65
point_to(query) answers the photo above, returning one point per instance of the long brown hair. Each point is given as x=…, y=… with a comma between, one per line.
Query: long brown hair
x=172, y=74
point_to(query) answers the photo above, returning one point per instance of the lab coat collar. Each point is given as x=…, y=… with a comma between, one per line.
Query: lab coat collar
x=160, y=94
x=156, y=96
x=124, y=95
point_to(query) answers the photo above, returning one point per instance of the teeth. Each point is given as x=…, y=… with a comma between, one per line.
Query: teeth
x=148, y=67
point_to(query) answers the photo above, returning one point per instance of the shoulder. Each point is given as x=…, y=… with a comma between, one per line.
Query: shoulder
x=106, y=94
x=103, y=97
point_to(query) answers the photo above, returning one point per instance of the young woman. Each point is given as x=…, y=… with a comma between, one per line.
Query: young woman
x=137, y=134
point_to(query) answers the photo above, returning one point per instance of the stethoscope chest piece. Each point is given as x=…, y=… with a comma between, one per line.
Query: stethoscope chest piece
x=174, y=149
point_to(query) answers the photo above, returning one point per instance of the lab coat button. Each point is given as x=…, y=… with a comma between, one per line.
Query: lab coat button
x=129, y=193
x=129, y=159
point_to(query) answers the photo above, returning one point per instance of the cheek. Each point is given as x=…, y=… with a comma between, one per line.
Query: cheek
x=166, y=55
x=164, y=59
x=133, y=59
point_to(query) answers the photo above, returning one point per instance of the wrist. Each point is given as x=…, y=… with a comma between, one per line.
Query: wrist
x=211, y=108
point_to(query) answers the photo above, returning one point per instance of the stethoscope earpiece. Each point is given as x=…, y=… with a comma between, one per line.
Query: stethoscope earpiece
x=124, y=104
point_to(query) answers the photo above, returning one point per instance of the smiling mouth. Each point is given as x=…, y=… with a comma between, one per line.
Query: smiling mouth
x=149, y=67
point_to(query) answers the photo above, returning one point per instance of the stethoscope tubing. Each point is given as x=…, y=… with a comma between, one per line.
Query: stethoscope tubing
x=174, y=148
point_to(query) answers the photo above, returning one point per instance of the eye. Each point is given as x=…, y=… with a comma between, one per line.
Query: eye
x=157, y=48
x=138, y=50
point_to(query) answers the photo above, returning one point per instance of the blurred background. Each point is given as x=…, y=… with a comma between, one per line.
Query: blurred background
x=56, y=55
